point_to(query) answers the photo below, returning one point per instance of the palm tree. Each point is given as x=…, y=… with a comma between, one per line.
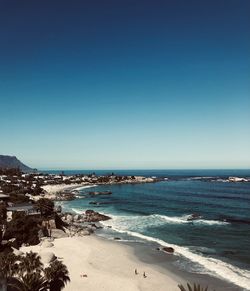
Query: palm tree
x=29, y=282
x=196, y=287
x=26, y=273
x=30, y=263
x=8, y=268
x=29, y=277
x=56, y=275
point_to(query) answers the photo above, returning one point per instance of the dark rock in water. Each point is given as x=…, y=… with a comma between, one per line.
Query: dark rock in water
x=236, y=220
x=96, y=225
x=59, y=208
x=158, y=249
x=92, y=216
x=168, y=249
x=94, y=202
x=193, y=216
x=95, y=193
x=89, y=212
x=109, y=226
x=228, y=252
x=117, y=238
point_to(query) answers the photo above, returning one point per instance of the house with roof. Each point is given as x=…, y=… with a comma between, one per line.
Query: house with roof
x=27, y=209
x=4, y=198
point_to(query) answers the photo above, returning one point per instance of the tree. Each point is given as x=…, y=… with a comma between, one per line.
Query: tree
x=3, y=213
x=8, y=268
x=31, y=262
x=30, y=282
x=46, y=206
x=23, y=228
x=196, y=287
x=26, y=273
x=57, y=275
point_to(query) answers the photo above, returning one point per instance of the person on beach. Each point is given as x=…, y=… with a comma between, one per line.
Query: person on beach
x=144, y=275
x=136, y=273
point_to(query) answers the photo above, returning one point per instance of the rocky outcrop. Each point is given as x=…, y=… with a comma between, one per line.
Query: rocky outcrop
x=168, y=250
x=47, y=258
x=83, y=224
x=94, y=203
x=96, y=193
x=58, y=233
x=193, y=216
x=74, y=230
x=92, y=216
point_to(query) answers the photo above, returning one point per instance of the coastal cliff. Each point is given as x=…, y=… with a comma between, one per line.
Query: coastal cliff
x=11, y=162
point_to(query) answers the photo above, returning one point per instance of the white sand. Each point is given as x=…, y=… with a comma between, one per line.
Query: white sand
x=109, y=266
x=52, y=190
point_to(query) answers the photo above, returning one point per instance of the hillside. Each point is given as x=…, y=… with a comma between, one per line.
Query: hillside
x=8, y=162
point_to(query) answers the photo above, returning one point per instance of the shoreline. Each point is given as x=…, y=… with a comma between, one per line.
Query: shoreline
x=166, y=262
x=205, y=279
x=109, y=266
x=52, y=190
x=148, y=252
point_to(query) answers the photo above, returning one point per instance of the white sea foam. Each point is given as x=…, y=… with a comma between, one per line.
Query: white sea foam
x=184, y=219
x=200, y=178
x=143, y=221
x=85, y=187
x=126, y=225
x=216, y=267
x=78, y=211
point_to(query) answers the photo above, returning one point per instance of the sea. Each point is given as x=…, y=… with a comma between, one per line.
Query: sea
x=217, y=243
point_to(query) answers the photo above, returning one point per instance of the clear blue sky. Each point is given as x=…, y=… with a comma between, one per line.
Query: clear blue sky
x=125, y=84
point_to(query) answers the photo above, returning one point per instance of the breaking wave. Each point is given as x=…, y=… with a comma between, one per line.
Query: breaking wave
x=144, y=221
x=212, y=266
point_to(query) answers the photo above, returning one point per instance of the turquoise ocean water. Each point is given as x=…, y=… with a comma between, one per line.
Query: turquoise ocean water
x=218, y=243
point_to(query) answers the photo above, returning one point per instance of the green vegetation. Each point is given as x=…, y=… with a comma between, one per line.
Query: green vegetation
x=24, y=229
x=10, y=172
x=3, y=213
x=56, y=275
x=196, y=287
x=46, y=206
x=26, y=273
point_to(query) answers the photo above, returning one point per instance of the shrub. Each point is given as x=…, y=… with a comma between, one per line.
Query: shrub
x=196, y=287
x=23, y=228
x=46, y=206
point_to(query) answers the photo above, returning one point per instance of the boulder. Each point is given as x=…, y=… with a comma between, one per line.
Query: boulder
x=193, y=216
x=92, y=216
x=77, y=217
x=84, y=232
x=89, y=212
x=47, y=258
x=91, y=228
x=168, y=249
x=52, y=223
x=47, y=244
x=17, y=252
x=58, y=233
x=59, y=209
x=69, y=218
x=97, y=225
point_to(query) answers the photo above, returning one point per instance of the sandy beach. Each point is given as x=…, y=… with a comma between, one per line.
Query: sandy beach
x=109, y=266
x=52, y=190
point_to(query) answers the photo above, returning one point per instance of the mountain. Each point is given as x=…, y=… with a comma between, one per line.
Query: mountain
x=9, y=162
